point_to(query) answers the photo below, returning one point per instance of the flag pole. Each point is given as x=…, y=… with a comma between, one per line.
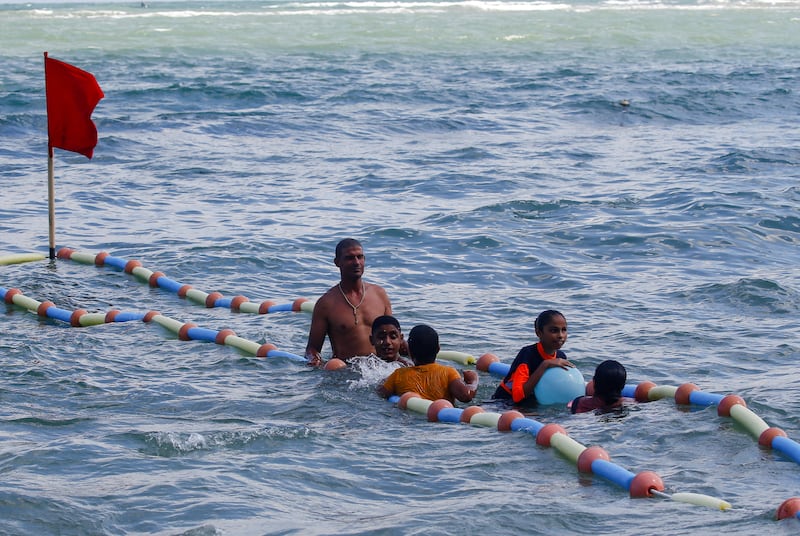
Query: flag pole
x=51, y=189
x=51, y=204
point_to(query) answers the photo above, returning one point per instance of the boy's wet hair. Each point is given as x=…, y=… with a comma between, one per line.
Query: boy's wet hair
x=545, y=317
x=383, y=320
x=423, y=344
x=609, y=380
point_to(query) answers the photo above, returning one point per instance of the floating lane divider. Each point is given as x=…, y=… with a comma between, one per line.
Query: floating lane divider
x=185, y=330
x=688, y=394
x=727, y=406
x=592, y=459
x=457, y=357
x=19, y=258
x=240, y=304
x=732, y=406
x=214, y=299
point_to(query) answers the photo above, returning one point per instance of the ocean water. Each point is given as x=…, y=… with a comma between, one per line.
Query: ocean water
x=633, y=164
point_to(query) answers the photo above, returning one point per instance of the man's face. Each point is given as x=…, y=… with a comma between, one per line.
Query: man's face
x=351, y=261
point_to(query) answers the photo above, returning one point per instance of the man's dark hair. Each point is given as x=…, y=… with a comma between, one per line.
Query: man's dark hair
x=346, y=243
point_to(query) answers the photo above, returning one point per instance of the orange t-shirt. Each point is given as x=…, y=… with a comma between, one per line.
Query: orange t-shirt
x=431, y=381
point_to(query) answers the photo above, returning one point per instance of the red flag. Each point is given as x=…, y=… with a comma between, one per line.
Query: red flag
x=72, y=95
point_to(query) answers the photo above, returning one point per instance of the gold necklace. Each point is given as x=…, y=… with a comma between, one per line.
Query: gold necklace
x=354, y=307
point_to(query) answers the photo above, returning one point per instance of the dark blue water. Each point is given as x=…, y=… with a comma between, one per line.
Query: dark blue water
x=482, y=154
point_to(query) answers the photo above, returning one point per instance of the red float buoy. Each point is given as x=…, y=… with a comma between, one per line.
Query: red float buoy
x=405, y=397
x=485, y=360
x=505, y=420
x=588, y=456
x=725, y=405
x=433, y=409
x=643, y=483
x=546, y=433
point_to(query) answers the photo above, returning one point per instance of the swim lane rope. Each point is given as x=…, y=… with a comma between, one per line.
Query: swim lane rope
x=158, y=279
x=589, y=459
x=214, y=299
x=731, y=405
x=592, y=459
x=184, y=330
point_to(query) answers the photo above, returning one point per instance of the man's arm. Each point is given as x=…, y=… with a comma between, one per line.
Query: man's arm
x=387, y=304
x=316, y=334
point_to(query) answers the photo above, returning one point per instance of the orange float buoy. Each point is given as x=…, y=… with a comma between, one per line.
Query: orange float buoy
x=402, y=403
x=43, y=307
x=297, y=304
x=505, y=420
x=766, y=437
x=642, y=391
x=183, y=332
x=468, y=412
x=265, y=349
x=643, y=483
x=223, y=334
x=433, y=409
x=725, y=405
x=148, y=317
x=75, y=317
x=334, y=364
x=485, y=360
x=153, y=279
x=64, y=253
x=130, y=265
x=683, y=393
x=588, y=456
x=546, y=433
x=237, y=301
x=788, y=508
x=212, y=298
x=264, y=307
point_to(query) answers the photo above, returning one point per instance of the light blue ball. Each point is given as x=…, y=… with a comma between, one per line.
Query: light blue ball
x=559, y=386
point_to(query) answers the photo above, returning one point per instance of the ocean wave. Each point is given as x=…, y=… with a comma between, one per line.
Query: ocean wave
x=169, y=444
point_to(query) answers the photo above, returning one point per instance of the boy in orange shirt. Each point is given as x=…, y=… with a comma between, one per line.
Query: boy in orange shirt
x=427, y=378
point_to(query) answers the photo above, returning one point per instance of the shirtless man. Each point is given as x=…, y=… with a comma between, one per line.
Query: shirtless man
x=346, y=311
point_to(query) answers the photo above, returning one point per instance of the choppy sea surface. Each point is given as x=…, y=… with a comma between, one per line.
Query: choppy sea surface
x=633, y=164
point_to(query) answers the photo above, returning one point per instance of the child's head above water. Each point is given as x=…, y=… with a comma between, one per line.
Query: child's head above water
x=423, y=344
x=551, y=328
x=609, y=380
x=386, y=337
x=545, y=317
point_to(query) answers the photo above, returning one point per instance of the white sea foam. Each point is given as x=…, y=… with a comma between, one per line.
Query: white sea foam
x=372, y=369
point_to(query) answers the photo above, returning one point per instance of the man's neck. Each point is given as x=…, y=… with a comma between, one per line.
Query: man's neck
x=350, y=284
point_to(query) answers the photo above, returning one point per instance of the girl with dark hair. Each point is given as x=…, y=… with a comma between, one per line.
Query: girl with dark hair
x=533, y=360
x=609, y=380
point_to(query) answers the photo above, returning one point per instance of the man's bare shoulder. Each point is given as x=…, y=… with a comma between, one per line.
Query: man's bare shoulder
x=379, y=290
x=327, y=299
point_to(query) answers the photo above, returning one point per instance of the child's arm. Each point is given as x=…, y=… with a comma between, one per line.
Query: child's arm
x=464, y=390
x=386, y=389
